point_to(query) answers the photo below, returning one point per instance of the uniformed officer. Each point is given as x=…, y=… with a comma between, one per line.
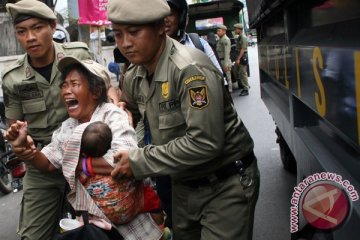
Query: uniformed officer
x=223, y=48
x=241, y=66
x=193, y=131
x=32, y=94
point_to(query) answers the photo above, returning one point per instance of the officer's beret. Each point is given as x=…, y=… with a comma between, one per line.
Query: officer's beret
x=26, y=9
x=222, y=26
x=137, y=11
x=90, y=65
x=238, y=25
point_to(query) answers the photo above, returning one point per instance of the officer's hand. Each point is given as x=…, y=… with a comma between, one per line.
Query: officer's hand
x=226, y=68
x=122, y=105
x=237, y=62
x=122, y=168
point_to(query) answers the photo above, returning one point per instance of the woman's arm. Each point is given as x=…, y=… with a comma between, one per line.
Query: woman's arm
x=41, y=162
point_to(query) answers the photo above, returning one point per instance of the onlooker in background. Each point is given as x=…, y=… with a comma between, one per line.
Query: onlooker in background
x=223, y=48
x=241, y=60
x=61, y=35
x=32, y=94
x=175, y=27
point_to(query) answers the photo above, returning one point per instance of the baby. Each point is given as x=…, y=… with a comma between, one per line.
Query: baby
x=120, y=200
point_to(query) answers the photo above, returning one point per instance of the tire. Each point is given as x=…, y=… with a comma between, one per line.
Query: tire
x=5, y=181
x=287, y=158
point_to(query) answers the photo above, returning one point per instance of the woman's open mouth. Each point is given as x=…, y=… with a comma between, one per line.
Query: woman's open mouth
x=71, y=103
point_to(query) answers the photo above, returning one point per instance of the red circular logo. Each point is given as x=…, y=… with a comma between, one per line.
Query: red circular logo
x=325, y=206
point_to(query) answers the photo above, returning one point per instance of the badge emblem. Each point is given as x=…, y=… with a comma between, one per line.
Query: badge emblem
x=60, y=56
x=198, y=97
x=165, y=89
x=27, y=72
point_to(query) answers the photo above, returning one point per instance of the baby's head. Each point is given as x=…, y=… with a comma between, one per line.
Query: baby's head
x=96, y=139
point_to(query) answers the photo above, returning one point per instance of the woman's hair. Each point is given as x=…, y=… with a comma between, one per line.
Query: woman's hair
x=96, y=84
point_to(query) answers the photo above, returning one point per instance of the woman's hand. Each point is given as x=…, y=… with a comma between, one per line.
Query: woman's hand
x=27, y=152
x=122, y=168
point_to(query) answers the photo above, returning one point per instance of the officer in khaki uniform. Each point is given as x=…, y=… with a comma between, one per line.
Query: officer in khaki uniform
x=241, y=68
x=223, y=48
x=194, y=132
x=32, y=93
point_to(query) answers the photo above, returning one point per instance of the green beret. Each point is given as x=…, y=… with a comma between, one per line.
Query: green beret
x=222, y=26
x=90, y=65
x=137, y=11
x=26, y=9
x=238, y=25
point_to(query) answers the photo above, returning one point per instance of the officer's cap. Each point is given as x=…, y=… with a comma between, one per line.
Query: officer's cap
x=26, y=9
x=137, y=11
x=90, y=65
x=238, y=25
x=222, y=26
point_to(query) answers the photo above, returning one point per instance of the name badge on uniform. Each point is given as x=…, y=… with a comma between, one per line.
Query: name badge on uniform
x=29, y=91
x=198, y=97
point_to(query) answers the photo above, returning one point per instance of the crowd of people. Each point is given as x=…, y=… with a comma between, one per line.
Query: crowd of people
x=72, y=128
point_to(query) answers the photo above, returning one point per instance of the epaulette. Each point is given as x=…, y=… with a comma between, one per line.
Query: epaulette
x=131, y=66
x=18, y=63
x=75, y=45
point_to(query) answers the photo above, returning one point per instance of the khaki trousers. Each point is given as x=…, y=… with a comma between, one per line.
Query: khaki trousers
x=241, y=75
x=42, y=204
x=223, y=210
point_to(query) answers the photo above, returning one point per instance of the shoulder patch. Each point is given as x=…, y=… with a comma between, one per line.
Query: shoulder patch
x=198, y=97
x=19, y=62
x=194, y=78
x=75, y=45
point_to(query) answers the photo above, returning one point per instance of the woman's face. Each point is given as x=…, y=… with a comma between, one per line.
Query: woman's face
x=79, y=101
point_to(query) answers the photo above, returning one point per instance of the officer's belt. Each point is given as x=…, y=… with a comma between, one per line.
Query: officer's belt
x=222, y=173
x=221, y=58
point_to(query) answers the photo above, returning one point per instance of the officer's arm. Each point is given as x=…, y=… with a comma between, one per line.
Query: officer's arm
x=201, y=129
x=240, y=54
x=227, y=53
x=243, y=47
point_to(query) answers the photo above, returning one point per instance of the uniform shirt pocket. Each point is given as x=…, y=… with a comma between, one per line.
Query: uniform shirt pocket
x=33, y=106
x=171, y=120
x=35, y=113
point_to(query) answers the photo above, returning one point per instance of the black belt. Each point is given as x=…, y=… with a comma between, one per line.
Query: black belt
x=223, y=173
x=221, y=58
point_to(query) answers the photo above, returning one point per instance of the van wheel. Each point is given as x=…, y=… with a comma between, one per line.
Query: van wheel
x=287, y=158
